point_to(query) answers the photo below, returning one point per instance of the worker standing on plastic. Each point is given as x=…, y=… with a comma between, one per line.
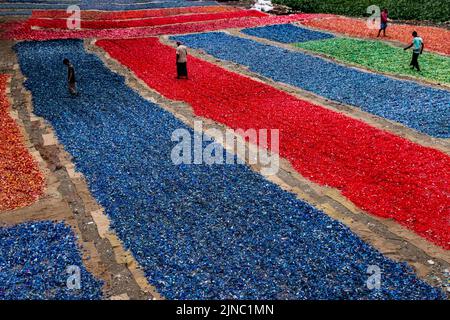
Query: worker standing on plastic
x=181, y=61
x=71, y=77
x=418, y=46
x=384, y=22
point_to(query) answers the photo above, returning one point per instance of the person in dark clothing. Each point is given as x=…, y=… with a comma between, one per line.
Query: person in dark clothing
x=71, y=77
x=181, y=61
x=384, y=22
x=418, y=46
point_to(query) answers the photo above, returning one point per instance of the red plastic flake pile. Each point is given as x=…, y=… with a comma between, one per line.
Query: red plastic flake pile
x=21, y=182
x=384, y=174
x=22, y=31
x=435, y=39
x=113, y=24
x=132, y=14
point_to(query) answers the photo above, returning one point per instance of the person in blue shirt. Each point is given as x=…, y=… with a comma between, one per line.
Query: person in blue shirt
x=418, y=46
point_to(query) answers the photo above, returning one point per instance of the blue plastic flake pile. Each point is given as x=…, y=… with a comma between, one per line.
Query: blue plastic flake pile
x=107, y=6
x=420, y=107
x=287, y=33
x=198, y=231
x=34, y=258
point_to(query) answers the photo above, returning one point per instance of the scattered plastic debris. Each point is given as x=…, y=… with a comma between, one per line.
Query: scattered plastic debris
x=198, y=231
x=263, y=5
x=287, y=33
x=381, y=57
x=354, y=27
x=34, y=264
x=418, y=106
x=21, y=182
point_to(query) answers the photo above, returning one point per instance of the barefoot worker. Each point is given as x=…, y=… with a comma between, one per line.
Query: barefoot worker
x=181, y=61
x=384, y=22
x=70, y=77
x=418, y=46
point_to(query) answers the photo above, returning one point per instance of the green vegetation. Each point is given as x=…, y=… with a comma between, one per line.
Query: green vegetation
x=381, y=57
x=434, y=10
